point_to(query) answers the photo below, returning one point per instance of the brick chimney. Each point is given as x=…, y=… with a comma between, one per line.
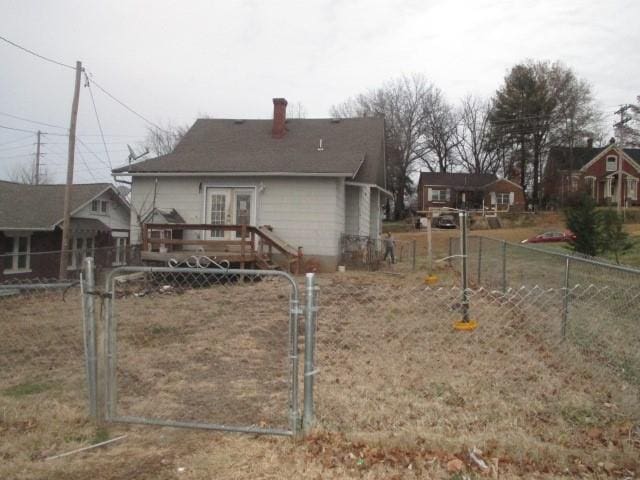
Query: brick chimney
x=589, y=142
x=279, y=117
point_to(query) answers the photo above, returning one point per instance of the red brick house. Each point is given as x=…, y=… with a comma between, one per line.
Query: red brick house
x=570, y=171
x=470, y=191
x=31, y=228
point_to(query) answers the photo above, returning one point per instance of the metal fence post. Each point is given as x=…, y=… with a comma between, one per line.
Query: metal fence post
x=479, y=260
x=294, y=312
x=463, y=251
x=309, y=350
x=89, y=310
x=450, y=250
x=504, y=266
x=565, y=298
x=413, y=255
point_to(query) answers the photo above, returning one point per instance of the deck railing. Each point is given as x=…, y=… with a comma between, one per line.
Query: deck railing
x=251, y=245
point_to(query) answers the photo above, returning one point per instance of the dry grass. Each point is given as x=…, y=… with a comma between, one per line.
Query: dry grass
x=399, y=394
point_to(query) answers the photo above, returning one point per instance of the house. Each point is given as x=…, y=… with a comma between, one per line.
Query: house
x=570, y=171
x=468, y=191
x=31, y=219
x=296, y=185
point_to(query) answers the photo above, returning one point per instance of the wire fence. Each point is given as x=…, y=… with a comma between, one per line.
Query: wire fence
x=603, y=321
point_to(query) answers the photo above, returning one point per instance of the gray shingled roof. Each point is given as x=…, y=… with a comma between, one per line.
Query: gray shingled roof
x=565, y=158
x=352, y=147
x=462, y=180
x=40, y=207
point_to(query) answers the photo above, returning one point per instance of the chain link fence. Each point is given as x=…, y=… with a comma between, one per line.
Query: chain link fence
x=200, y=347
x=394, y=370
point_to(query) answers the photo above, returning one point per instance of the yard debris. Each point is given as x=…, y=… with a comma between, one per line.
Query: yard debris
x=476, y=459
x=83, y=449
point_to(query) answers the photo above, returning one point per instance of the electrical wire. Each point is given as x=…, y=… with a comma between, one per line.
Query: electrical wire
x=32, y=121
x=127, y=107
x=36, y=54
x=95, y=110
x=15, y=140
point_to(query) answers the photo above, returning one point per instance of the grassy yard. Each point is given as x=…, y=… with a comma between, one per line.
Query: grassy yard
x=399, y=393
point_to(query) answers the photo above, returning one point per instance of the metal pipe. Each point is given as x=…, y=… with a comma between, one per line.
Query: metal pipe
x=294, y=312
x=309, y=342
x=504, y=266
x=463, y=252
x=413, y=255
x=89, y=303
x=479, y=261
x=565, y=299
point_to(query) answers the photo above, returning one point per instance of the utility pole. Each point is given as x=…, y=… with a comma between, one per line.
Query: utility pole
x=66, y=224
x=620, y=125
x=37, y=179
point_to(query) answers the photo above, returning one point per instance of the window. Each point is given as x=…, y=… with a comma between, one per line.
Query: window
x=502, y=198
x=439, y=195
x=590, y=184
x=632, y=188
x=120, y=257
x=159, y=235
x=81, y=248
x=99, y=206
x=612, y=164
x=17, y=257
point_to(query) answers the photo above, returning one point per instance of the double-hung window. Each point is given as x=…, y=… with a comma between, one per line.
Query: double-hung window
x=99, y=207
x=120, y=257
x=17, y=253
x=81, y=248
x=502, y=198
x=438, y=195
x=612, y=163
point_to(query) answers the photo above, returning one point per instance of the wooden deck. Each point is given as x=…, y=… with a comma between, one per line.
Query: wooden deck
x=253, y=247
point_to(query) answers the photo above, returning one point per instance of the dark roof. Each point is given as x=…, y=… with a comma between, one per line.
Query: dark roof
x=40, y=207
x=163, y=216
x=352, y=147
x=566, y=158
x=92, y=225
x=457, y=180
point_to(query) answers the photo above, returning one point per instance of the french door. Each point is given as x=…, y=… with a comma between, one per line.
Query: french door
x=229, y=206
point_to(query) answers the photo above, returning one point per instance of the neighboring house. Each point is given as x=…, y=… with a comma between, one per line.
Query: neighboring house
x=469, y=191
x=570, y=171
x=31, y=228
x=309, y=180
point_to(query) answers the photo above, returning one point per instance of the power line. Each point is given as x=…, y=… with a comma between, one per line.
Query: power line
x=32, y=121
x=94, y=154
x=95, y=110
x=15, y=140
x=36, y=54
x=127, y=107
x=16, y=147
x=18, y=129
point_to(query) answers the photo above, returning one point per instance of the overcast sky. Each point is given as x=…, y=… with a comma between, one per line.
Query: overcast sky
x=173, y=61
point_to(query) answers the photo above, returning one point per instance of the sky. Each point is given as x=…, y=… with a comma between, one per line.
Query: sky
x=172, y=61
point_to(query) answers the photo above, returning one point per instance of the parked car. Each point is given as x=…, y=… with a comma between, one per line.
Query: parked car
x=445, y=221
x=546, y=237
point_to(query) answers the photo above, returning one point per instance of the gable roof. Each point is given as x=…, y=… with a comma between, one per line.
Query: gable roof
x=41, y=207
x=351, y=148
x=567, y=158
x=457, y=180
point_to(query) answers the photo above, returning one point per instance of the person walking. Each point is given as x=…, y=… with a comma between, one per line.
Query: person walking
x=389, y=247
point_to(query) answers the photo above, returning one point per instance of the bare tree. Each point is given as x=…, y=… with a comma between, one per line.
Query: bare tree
x=161, y=141
x=27, y=174
x=402, y=103
x=440, y=131
x=477, y=149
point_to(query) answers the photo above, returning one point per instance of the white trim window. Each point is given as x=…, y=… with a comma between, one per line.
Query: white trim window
x=612, y=163
x=17, y=256
x=120, y=257
x=100, y=207
x=439, y=194
x=503, y=198
x=590, y=184
x=632, y=188
x=81, y=248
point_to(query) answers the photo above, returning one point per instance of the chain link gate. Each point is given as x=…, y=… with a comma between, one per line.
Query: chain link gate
x=208, y=348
